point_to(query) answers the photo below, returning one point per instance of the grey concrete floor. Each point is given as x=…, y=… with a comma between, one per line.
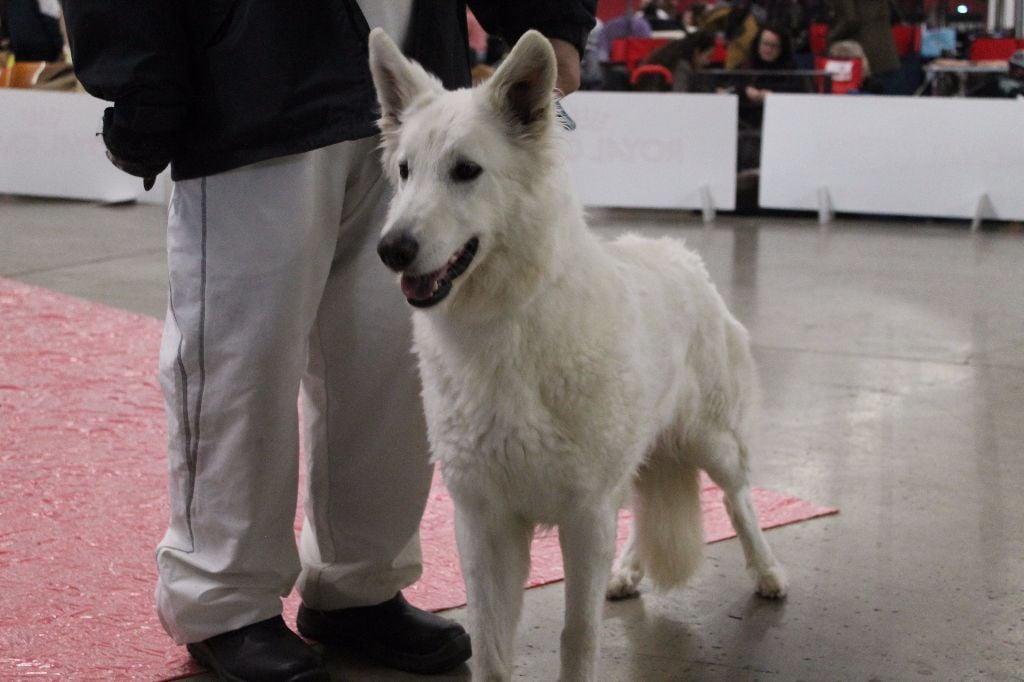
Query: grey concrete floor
x=892, y=359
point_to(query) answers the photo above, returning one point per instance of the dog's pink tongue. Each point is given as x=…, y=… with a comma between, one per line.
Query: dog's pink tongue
x=417, y=288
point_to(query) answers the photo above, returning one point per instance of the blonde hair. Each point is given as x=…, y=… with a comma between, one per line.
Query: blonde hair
x=850, y=49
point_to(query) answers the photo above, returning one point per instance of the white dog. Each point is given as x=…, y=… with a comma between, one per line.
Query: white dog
x=560, y=372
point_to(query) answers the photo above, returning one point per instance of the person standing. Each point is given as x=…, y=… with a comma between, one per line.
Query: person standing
x=265, y=112
x=868, y=23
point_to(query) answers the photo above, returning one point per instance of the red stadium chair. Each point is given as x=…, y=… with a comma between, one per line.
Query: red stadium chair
x=907, y=38
x=992, y=48
x=656, y=70
x=718, y=54
x=818, y=39
x=630, y=51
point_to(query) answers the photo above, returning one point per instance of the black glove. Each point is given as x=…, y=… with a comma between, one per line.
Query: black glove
x=142, y=155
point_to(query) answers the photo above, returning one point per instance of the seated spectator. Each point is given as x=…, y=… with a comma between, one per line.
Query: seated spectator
x=662, y=16
x=851, y=49
x=1014, y=75
x=771, y=53
x=739, y=23
x=1010, y=84
x=683, y=58
x=622, y=26
x=33, y=29
x=693, y=16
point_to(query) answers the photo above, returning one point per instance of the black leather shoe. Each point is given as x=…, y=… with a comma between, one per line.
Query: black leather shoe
x=262, y=652
x=393, y=634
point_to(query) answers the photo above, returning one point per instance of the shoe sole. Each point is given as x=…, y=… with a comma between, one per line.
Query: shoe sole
x=452, y=654
x=201, y=653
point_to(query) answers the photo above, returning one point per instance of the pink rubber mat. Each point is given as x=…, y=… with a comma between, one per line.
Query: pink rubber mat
x=83, y=497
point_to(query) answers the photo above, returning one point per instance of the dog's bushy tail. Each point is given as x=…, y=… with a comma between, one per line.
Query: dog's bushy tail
x=668, y=518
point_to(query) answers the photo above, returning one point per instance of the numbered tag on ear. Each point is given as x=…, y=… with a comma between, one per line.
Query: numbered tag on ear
x=561, y=115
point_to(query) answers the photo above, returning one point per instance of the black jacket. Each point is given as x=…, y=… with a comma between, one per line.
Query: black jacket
x=211, y=85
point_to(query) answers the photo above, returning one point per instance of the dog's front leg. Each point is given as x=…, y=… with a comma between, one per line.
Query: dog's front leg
x=494, y=551
x=588, y=547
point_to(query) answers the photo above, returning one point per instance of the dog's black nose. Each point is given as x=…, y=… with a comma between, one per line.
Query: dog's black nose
x=398, y=251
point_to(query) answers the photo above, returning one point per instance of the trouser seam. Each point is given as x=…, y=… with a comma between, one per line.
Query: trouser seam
x=201, y=352
x=186, y=427
x=192, y=441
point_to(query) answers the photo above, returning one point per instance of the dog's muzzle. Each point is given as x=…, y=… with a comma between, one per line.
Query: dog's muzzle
x=398, y=251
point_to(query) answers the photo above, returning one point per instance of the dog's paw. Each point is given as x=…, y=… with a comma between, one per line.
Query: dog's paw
x=623, y=584
x=771, y=582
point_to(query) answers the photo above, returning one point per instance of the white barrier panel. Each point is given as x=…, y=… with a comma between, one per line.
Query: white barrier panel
x=650, y=150
x=955, y=157
x=49, y=147
x=654, y=150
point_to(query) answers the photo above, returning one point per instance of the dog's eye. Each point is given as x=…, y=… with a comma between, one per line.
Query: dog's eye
x=403, y=170
x=464, y=171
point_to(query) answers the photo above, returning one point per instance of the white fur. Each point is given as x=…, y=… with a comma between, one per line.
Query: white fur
x=562, y=372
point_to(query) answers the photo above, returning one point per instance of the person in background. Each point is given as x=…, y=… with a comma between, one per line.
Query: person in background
x=266, y=113
x=770, y=52
x=868, y=23
x=693, y=16
x=662, y=15
x=851, y=49
x=1015, y=74
x=591, y=67
x=627, y=25
x=684, y=58
x=738, y=22
x=1010, y=84
x=32, y=29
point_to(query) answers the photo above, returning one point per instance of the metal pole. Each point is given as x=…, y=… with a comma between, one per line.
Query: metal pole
x=995, y=16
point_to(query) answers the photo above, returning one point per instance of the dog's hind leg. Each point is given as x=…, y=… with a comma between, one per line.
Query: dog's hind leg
x=666, y=538
x=627, y=571
x=587, y=539
x=721, y=454
x=494, y=552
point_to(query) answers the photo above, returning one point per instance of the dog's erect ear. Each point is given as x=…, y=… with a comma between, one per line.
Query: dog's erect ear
x=398, y=80
x=521, y=87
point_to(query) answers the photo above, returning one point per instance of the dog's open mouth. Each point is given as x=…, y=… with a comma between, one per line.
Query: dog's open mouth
x=424, y=291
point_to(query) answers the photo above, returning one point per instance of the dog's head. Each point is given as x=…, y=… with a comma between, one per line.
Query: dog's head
x=463, y=164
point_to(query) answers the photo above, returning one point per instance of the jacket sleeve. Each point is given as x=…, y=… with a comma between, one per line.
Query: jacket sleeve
x=569, y=20
x=844, y=22
x=134, y=53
